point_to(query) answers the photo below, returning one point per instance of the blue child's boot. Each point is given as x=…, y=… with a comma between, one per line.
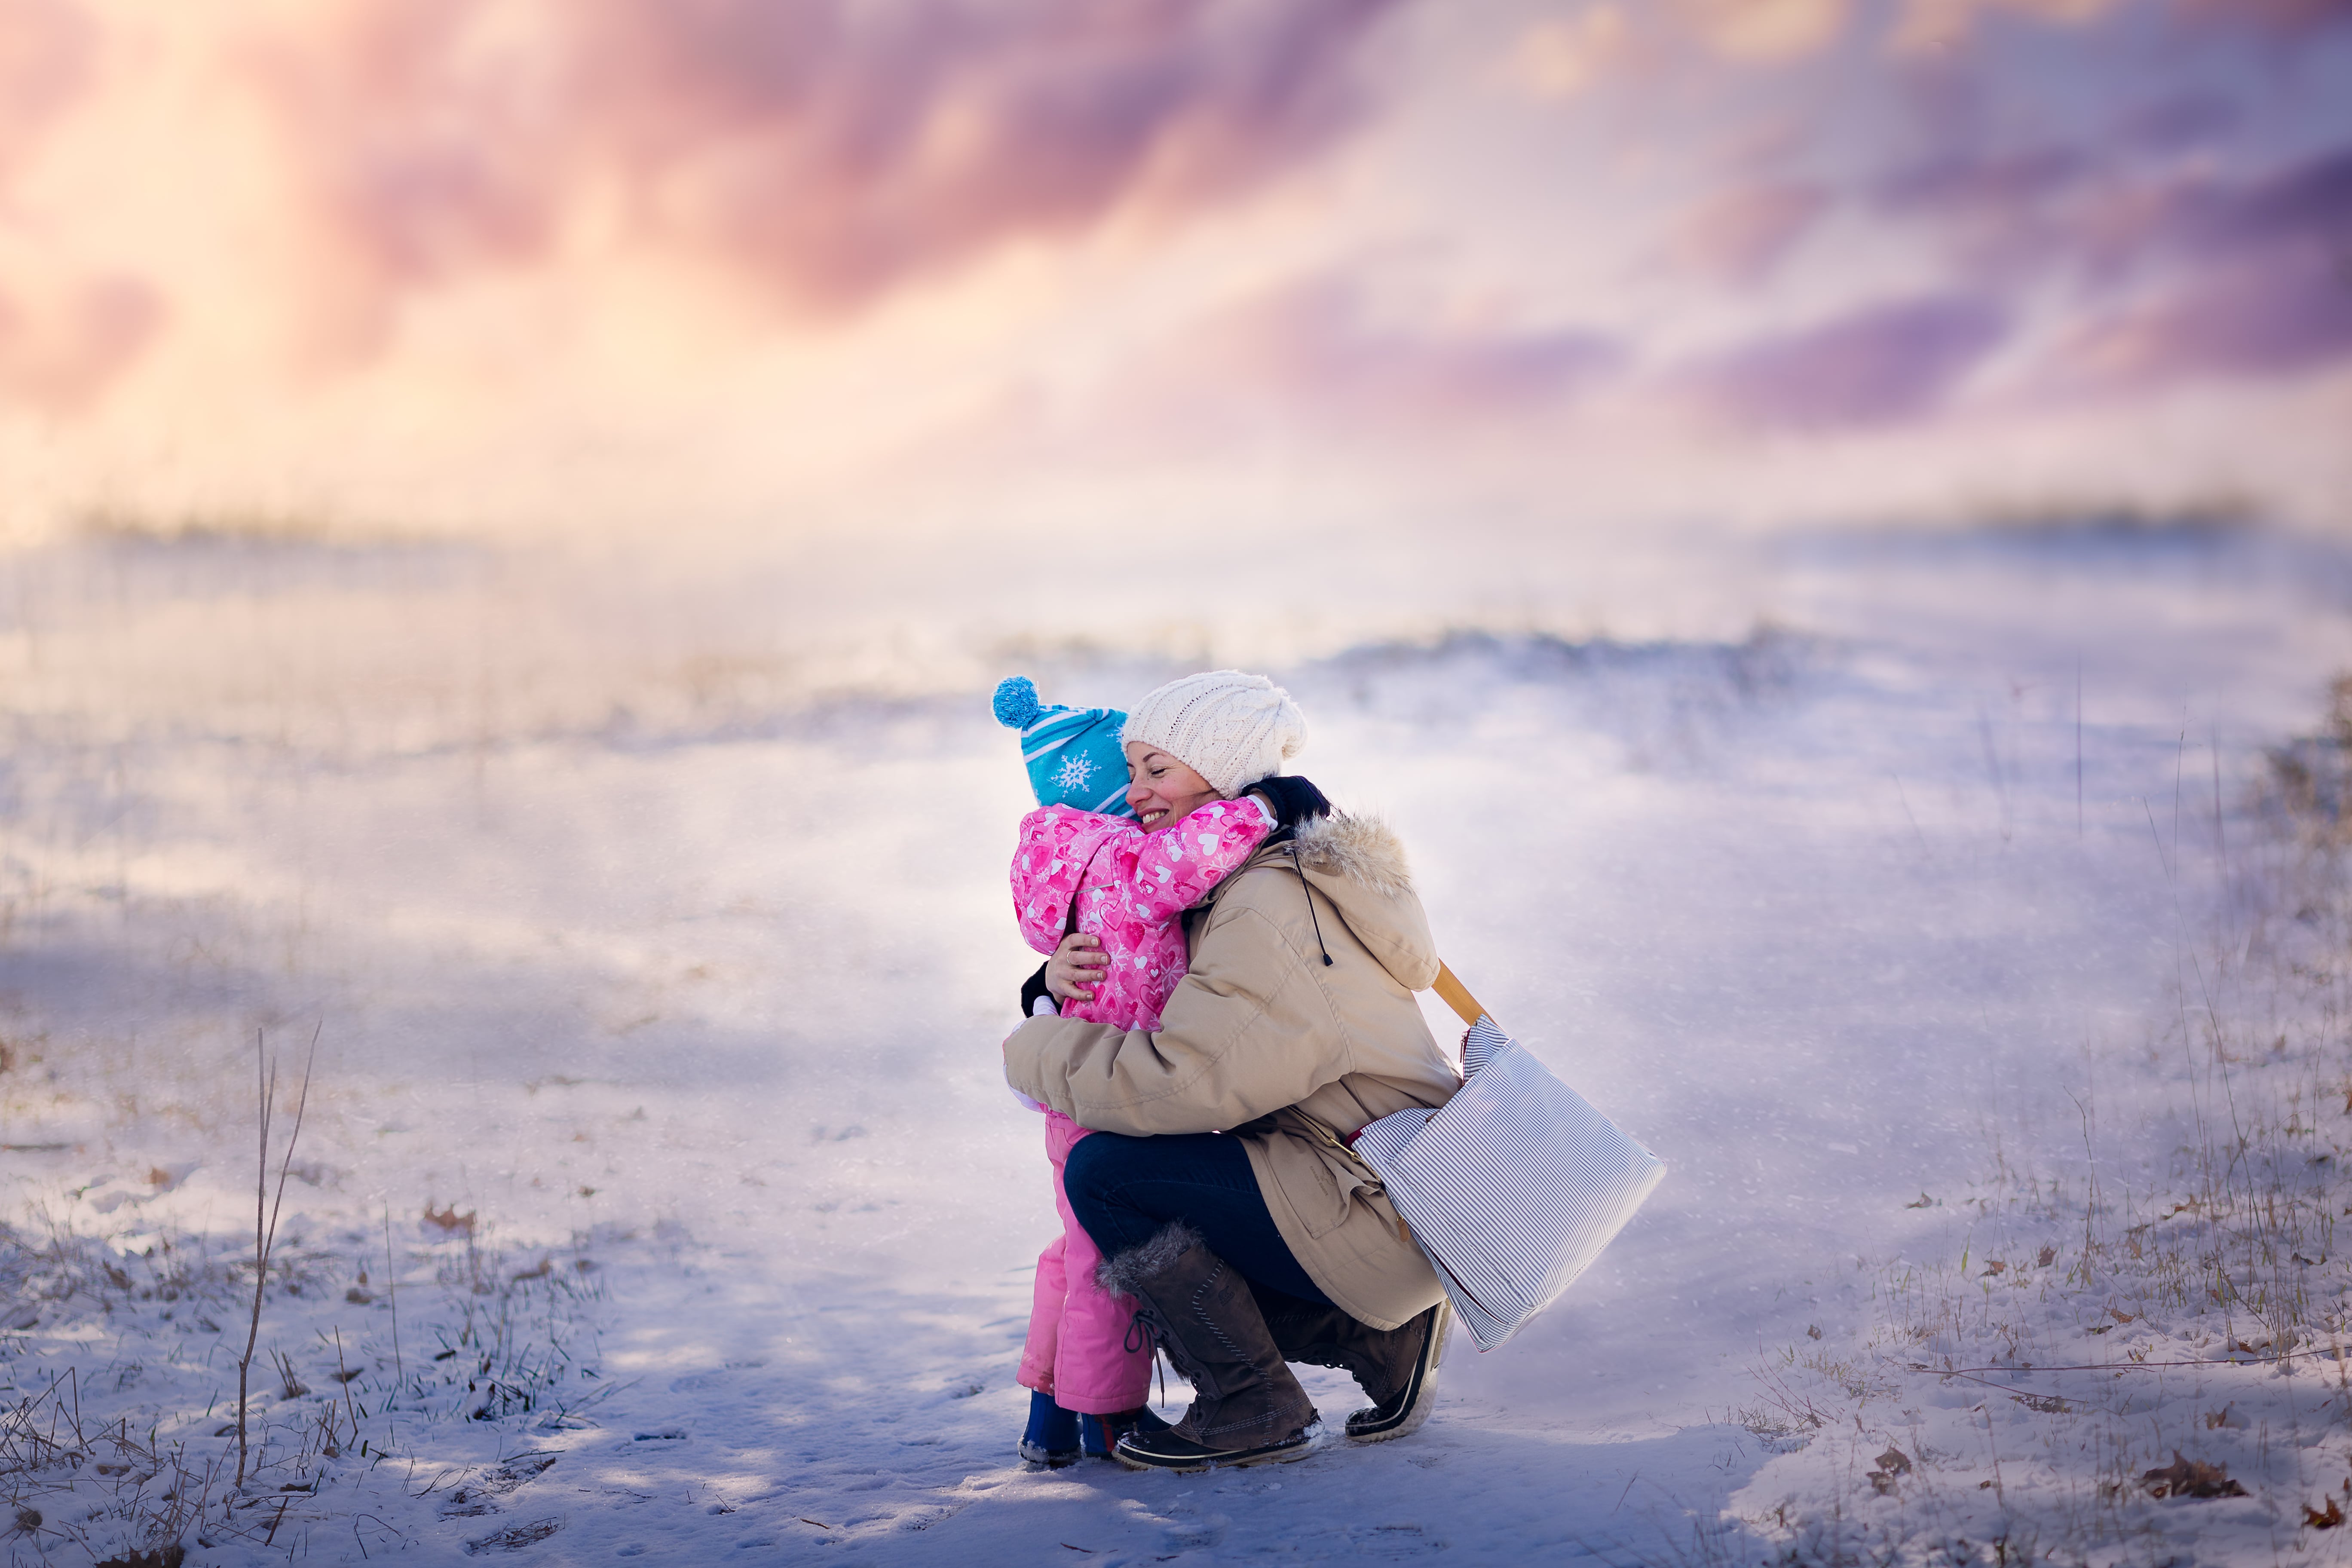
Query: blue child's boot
x=1051, y=1439
x=1098, y=1434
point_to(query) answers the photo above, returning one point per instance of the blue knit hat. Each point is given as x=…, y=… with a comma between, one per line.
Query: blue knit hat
x=1075, y=755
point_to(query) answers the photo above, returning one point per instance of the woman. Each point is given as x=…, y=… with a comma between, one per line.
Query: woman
x=1226, y=1199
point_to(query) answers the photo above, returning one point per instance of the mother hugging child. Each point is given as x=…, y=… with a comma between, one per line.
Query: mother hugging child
x=1229, y=1000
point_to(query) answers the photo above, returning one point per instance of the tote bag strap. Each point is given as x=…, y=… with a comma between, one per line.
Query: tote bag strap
x=1456, y=996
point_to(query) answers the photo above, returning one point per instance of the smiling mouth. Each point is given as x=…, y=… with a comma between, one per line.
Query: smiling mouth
x=1151, y=817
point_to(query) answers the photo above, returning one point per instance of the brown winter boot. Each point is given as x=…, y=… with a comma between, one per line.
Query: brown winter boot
x=1396, y=1368
x=1248, y=1408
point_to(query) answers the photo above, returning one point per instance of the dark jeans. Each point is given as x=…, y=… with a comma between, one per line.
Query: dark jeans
x=1124, y=1189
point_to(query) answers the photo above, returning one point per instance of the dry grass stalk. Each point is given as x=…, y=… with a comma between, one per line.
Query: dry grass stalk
x=265, y=1217
x=392, y=1294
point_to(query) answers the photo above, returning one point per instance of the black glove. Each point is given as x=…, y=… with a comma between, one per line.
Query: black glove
x=1292, y=800
x=1032, y=990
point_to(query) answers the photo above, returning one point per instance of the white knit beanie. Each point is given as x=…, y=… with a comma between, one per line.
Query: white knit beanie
x=1230, y=728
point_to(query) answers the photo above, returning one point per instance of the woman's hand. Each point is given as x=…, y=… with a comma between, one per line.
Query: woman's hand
x=1077, y=968
x=1292, y=799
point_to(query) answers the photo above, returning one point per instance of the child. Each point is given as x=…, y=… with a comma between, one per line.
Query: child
x=1083, y=864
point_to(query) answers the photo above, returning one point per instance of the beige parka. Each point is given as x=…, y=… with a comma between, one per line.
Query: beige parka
x=1260, y=1026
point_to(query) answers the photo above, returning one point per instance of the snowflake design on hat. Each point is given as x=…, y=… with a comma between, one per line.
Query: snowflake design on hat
x=1075, y=772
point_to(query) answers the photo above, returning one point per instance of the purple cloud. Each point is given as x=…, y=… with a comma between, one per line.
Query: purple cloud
x=2289, y=17
x=2309, y=203
x=1879, y=365
x=2181, y=123
x=849, y=148
x=1967, y=185
x=1316, y=344
x=830, y=151
x=2254, y=320
x=2074, y=209
x=2004, y=219
x=2238, y=269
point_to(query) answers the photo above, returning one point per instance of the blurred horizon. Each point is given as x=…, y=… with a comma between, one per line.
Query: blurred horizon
x=1515, y=277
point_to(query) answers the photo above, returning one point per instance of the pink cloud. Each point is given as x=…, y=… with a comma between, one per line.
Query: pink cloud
x=829, y=150
x=1740, y=235
x=59, y=353
x=47, y=52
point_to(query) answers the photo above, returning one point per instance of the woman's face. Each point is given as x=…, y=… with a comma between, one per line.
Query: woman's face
x=1160, y=790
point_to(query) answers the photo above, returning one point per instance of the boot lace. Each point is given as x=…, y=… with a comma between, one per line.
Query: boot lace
x=1142, y=1336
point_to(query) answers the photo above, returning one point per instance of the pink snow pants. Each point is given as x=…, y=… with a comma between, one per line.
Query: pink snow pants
x=1077, y=1353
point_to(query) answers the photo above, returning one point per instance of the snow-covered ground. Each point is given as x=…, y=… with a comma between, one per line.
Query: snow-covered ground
x=1895, y=893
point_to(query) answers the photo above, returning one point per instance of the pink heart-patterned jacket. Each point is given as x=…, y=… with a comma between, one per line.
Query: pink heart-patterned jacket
x=1130, y=887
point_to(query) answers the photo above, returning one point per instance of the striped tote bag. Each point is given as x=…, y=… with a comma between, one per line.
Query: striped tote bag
x=1514, y=1186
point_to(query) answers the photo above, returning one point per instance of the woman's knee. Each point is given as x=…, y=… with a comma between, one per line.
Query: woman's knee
x=1085, y=1167
x=1091, y=1176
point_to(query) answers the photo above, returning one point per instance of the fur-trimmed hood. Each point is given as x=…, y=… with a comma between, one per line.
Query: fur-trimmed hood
x=1362, y=849
x=1358, y=867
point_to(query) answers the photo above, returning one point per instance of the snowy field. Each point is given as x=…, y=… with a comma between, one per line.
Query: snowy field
x=1930, y=902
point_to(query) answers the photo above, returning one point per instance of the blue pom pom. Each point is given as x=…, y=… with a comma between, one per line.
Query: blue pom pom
x=1017, y=701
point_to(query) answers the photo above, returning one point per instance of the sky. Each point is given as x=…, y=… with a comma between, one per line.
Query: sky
x=1075, y=267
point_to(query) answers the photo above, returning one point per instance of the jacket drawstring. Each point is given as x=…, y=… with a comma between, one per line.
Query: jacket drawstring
x=1309, y=892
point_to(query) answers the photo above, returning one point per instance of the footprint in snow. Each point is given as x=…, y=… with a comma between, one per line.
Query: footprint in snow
x=514, y=1537
x=474, y=1496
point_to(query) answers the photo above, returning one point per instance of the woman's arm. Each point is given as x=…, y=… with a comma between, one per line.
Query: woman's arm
x=1247, y=1032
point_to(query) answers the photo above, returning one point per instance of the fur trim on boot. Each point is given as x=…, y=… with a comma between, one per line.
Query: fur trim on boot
x=1124, y=1273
